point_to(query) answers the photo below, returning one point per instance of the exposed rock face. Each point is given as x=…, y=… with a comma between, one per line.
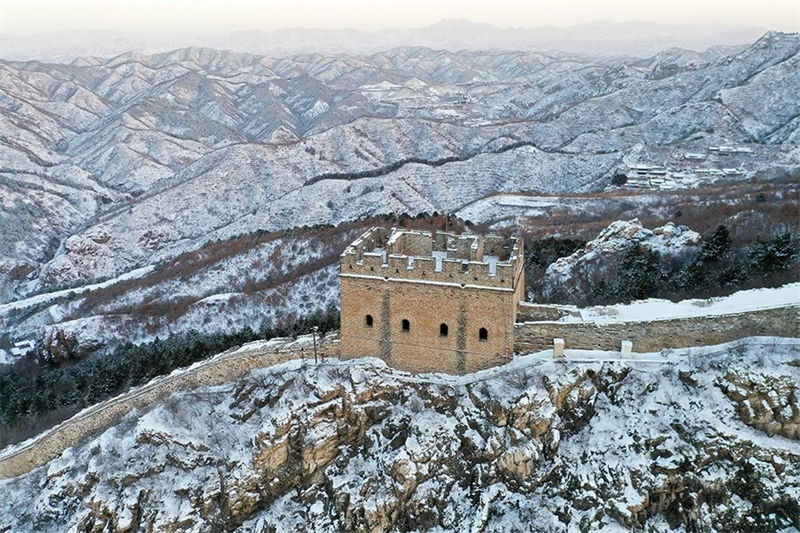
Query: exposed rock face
x=768, y=403
x=356, y=446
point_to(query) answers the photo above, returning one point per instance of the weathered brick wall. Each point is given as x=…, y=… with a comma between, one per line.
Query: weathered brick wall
x=464, y=296
x=223, y=369
x=412, y=243
x=426, y=307
x=653, y=336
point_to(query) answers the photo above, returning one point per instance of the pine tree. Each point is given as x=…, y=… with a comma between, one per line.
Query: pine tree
x=769, y=257
x=640, y=275
x=716, y=246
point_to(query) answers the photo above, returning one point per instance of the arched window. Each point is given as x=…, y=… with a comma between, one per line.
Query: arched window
x=368, y=321
x=483, y=334
x=443, y=330
x=406, y=326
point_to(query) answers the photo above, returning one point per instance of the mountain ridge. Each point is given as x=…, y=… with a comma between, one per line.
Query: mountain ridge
x=110, y=165
x=604, y=38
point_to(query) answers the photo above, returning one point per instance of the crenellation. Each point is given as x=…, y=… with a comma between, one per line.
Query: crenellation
x=479, y=273
x=506, y=272
x=366, y=243
x=371, y=262
x=409, y=243
x=398, y=263
x=447, y=258
x=423, y=265
x=453, y=267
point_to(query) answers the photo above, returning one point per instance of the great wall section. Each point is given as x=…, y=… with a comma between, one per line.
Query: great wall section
x=657, y=334
x=222, y=368
x=531, y=336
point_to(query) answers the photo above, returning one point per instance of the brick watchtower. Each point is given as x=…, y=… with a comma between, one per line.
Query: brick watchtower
x=430, y=302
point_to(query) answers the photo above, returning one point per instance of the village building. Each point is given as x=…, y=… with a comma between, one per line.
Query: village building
x=22, y=348
x=431, y=301
x=694, y=156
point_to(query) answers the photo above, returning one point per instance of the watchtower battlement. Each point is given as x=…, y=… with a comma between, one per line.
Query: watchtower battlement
x=431, y=301
x=440, y=257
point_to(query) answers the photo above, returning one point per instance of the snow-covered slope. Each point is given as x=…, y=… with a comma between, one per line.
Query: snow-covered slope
x=106, y=165
x=655, y=309
x=707, y=442
x=258, y=281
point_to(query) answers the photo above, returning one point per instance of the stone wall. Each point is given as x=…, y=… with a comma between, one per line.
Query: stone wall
x=655, y=335
x=459, y=294
x=528, y=312
x=464, y=310
x=411, y=243
x=224, y=368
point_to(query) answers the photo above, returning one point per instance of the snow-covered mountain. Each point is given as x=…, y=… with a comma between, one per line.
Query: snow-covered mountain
x=701, y=440
x=112, y=165
x=599, y=38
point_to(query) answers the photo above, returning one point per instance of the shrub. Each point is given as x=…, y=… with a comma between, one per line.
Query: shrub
x=619, y=180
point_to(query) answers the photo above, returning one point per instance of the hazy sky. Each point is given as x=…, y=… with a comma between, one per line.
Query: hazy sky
x=19, y=17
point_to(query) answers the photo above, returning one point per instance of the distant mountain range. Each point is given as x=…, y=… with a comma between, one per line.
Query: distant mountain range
x=601, y=38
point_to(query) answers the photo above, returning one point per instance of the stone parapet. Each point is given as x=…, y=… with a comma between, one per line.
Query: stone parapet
x=528, y=312
x=409, y=255
x=655, y=335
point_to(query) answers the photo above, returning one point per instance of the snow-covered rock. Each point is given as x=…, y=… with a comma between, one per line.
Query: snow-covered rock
x=664, y=442
x=575, y=274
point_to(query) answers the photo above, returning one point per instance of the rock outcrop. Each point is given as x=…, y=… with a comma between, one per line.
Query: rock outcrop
x=571, y=277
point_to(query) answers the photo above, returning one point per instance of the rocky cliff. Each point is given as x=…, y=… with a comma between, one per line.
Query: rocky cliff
x=701, y=443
